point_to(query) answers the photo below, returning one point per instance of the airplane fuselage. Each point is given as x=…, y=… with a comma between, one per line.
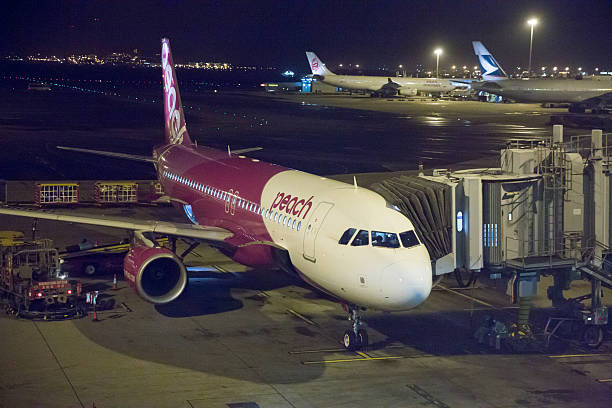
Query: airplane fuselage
x=375, y=83
x=269, y=208
x=547, y=90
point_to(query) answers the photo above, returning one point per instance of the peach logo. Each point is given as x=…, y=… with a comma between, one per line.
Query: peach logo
x=292, y=205
x=173, y=112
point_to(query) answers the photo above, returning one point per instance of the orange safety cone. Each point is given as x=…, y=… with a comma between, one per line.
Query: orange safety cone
x=115, y=282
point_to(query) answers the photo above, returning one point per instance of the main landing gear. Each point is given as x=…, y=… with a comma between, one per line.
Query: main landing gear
x=355, y=338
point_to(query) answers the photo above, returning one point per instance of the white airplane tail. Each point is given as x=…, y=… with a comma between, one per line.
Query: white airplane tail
x=316, y=65
x=489, y=67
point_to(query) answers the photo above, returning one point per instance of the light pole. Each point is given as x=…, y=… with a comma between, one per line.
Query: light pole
x=438, y=51
x=532, y=22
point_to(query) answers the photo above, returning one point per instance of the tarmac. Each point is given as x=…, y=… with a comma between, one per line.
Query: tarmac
x=246, y=339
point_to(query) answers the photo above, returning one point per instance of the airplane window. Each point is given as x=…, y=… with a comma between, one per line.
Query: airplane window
x=267, y=213
x=362, y=238
x=299, y=225
x=385, y=239
x=293, y=225
x=289, y=222
x=346, y=236
x=409, y=239
x=275, y=216
x=285, y=220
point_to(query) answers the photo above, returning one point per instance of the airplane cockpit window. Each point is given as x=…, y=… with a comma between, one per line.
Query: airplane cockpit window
x=385, y=239
x=346, y=236
x=362, y=238
x=409, y=239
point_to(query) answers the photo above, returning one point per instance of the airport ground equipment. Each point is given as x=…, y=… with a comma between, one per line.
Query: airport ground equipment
x=116, y=192
x=57, y=193
x=31, y=280
x=545, y=211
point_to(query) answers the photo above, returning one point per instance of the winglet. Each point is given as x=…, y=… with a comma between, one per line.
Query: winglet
x=174, y=118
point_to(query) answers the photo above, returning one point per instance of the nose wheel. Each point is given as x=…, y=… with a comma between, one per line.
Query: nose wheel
x=355, y=338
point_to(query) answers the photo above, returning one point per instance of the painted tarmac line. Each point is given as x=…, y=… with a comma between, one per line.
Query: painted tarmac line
x=482, y=302
x=606, y=380
x=338, y=350
x=304, y=318
x=352, y=360
x=580, y=355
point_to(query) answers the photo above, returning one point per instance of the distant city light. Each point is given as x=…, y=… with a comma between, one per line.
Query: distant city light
x=475, y=67
x=555, y=69
x=400, y=66
x=453, y=67
x=567, y=68
x=340, y=65
x=357, y=65
x=579, y=68
x=464, y=67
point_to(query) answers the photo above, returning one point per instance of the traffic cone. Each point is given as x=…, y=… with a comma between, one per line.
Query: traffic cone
x=115, y=282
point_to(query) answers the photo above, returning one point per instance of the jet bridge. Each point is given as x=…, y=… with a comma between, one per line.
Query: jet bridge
x=544, y=211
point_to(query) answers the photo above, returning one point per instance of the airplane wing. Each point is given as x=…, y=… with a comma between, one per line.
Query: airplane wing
x=148, y=159
x=161, y=227
x=247, y=150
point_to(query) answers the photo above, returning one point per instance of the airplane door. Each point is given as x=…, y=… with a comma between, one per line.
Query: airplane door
x=312, y=229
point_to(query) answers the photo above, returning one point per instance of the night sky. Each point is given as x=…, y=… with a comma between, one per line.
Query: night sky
x=370, y=33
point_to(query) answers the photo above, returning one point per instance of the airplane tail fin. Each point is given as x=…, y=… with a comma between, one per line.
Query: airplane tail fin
x=316, y=65
x=174, y=118
x=489, y=67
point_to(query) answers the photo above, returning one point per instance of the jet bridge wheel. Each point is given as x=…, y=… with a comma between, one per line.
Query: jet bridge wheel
x=593, y=336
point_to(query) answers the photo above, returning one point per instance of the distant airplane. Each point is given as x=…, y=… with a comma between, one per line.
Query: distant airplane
x=340, y=238
x=593, y=93
x=377, y=85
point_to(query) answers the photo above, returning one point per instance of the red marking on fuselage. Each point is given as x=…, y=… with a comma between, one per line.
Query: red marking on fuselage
x=292, y=205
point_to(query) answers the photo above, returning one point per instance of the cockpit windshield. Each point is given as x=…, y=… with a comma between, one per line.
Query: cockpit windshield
x=361, y=238
x=408, y=239
x=385, y=239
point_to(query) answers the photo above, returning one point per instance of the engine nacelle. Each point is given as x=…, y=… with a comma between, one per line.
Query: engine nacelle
x=156, y=274
x=406, y=91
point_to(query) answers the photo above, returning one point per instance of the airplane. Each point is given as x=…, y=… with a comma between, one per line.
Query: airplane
x=580, y=93
x=342, y=239
x=376, y=85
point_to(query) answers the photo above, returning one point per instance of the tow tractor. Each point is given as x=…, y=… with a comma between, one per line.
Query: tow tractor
x=31, y=281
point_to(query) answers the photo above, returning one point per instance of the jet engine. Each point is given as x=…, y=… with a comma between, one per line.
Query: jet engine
x=156, y=274
x=406, y=91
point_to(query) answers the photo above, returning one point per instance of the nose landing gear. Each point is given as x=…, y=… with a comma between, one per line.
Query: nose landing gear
x=355, y=338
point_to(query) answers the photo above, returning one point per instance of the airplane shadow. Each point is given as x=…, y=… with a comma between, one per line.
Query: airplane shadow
x=210, y=292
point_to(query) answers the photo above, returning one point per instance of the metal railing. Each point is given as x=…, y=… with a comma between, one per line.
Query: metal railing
x=519, y=252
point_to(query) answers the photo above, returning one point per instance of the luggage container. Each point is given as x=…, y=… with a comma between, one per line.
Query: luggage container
x=116, y=192
x=57, y=193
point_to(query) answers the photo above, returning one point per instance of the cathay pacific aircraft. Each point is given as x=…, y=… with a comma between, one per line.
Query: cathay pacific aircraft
x=581, y=93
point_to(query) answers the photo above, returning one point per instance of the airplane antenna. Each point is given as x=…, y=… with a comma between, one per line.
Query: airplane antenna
x=229, y=152
x=355, y=182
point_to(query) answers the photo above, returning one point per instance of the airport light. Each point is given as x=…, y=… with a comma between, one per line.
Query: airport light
x=400, y=66
x=464, y=67
x=567, y=68
x=532, y=22
x=437, y=51
x=555, y=69
x=356, y=65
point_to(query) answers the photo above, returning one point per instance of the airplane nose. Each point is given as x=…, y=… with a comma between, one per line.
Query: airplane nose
x=406, y=284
